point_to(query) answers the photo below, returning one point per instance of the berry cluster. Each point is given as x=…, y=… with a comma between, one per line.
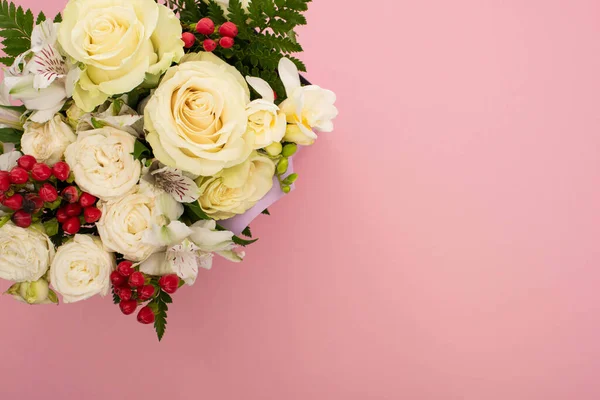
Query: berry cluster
x=133, y=288
x=213, y=36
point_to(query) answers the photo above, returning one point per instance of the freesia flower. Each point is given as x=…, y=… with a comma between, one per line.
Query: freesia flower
x=265, y=119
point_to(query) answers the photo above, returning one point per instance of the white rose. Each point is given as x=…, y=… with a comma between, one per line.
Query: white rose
x=196, y=119
x=47, y=142
x=235, y=190
x=128, y=221
x=265, y=120
x=102, y=163
x=119, y=42
x=307, y=108
x=25, y=254
x=81, y=269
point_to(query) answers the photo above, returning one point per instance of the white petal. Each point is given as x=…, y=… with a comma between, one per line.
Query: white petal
x=156, y=265
x=47, y=66
x=9, y=160
x=44, y=34
x=262, y=88
x=288, y=73
x=42, y=116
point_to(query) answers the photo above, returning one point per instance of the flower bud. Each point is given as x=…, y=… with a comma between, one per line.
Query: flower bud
x=274, y=149
x=282, y=167
x=36, y=292
x=289, y=149
x=290, y=179
x=74, y=114
x=286, y=189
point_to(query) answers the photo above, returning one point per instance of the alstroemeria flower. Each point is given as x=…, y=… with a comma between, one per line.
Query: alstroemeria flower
x=173, y=181
x=41, y=78
x=115, y=113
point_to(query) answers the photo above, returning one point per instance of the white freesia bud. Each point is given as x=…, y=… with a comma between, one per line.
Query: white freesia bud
x=25, y=254
x=81, y=269
x=102, y=163
x=265, y=119
x=48, y=141
x=308, y=108
x=235, y=190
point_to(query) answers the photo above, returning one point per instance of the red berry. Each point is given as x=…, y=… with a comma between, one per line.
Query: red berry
x=146, y=315
x=169, y=283
x=22, y=219
x=72, y=225
x=87, y=200
x=73, y=210
x=145, y=292
x=41, y=172
x=228, y=29
x=226, y=42
x=117, y=279
x=70, y=194
x=32, y=203
x=136, y=279
x=128, y=306
x=61, y=215
x=188, y=39
x=14, y=202
x=125, y=269
x=27, y=162
x=18, y=176
x=48, y=193
x=125, y=293
x=205, y=26
x=61, y=170
x=209, y=45
x=4, y=181
x=91, y=214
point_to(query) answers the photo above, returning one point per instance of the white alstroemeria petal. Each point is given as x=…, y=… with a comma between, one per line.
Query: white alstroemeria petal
x=262, y=87
x=185, y=260
x=208, y=239
x=43, y=35
x=10, y=119
x=72, y=78
x=232, y=255
x=18, y=65
x=169, y=235
x=9, y=160
x=47, y=66
x=166, y=205
x=42, y=116
x=174, y=182
x=288, y=72
x=156, y=265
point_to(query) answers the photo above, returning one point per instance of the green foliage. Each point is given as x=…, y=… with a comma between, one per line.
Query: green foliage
x=10, y=135
x=243, y=242
x=160, y=307
x=266, y=211
x=194, y=212
x=116, y=298
x=16, y=26
x=266, y=34
x=247, y=232
x=140, y=150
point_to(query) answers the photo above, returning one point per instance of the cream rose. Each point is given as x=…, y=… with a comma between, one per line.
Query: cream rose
x=119, y=42
x=47, y=142
x=25, y=254
x=127, y=221
x=102, y=163
x=235, y=190
x=196, y=119
x=81, y=269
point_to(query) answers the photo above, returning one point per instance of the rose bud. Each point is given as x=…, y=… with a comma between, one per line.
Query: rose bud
x=146, y=315
x=27, y=162
x=61, y=215
x=169, y=283
x=205, y=26
x=61, y=170
x=36, y=292
x=226, y=42
x=73, y=210
x=4, y=181
x=188, y=39
x=146, y=292
x=87, y=200
x=41, y=172
x=48, y=193
x=70, y=194
x=22, y=219
x=136, y=279
x=14, y=202
x=209, y=45
x=128, y=306
x=125, y=269
x=228, y=29
x=117, y=279
x=18, y=176
x=91, y=215
x=72, y=226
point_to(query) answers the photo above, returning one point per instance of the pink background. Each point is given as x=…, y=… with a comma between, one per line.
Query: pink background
x=441, y=244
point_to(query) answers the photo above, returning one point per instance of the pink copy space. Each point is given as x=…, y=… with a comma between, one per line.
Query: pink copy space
x=441, y=244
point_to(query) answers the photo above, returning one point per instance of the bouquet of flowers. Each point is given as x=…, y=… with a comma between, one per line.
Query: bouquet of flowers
x=146, y=139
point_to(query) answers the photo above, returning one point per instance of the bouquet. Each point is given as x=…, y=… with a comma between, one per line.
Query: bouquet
x=146, y=138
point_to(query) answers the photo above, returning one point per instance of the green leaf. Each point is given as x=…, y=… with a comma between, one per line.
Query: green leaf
x=4, y=220
x=52, y=296
x=160, y=308
x=10, y=135
x=17, y=26
x=99, y=124
x=247, y=232
x=195, y=212
x=20, y=109
x=40, y=18
x=141, y=151
x=58, y=18
x=116, y=298
x=266, y=211
x=243, y=242
x=51, y=227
